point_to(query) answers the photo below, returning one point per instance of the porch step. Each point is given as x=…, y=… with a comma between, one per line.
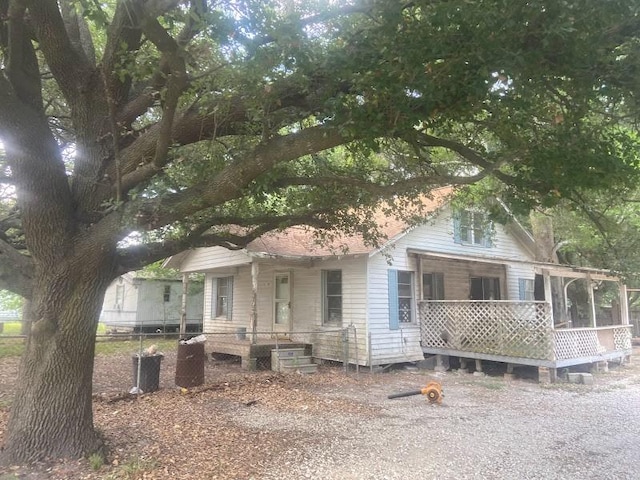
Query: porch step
x=299, y=368
x=291, y=359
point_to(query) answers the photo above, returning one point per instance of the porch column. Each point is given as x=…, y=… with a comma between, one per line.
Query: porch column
x=183, y=308
x=624, y=304
x=254, y=301
x=548, y=293
x=592, y=301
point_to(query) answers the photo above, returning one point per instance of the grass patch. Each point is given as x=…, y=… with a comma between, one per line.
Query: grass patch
x=133, y=468
x=12, y=328
x=96, y=461
x=132, y=346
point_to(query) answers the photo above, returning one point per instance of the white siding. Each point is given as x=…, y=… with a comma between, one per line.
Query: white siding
x=389, y=346
x=306, y=303
x=209, y=258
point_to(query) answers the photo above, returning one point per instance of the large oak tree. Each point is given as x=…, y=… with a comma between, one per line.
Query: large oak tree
x=134, y=129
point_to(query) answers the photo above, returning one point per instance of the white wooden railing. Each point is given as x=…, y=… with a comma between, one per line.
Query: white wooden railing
x=513, y=329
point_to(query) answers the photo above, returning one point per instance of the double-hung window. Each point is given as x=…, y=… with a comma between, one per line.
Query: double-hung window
x=472, y=228
x=332, y=297
x=433, y=286
x=401, y=296
x=222, y=297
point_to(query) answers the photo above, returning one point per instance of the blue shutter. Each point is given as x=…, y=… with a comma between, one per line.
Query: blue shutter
x=456, y=228
x=394, y=321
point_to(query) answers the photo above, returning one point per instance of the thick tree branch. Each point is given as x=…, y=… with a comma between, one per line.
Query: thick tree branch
x=22, y=64
x=231, y=181
x=16, y=271
x=68, y=66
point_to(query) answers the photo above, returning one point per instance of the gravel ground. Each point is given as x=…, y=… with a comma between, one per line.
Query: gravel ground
x=264, y=425
x=487, y=428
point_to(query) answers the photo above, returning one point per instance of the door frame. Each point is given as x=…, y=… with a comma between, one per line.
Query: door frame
x=286, y=326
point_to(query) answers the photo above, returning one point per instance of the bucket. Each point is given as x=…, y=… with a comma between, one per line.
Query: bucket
x=190, y=365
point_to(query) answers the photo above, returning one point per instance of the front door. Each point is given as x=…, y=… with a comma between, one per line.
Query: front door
x=282, y=303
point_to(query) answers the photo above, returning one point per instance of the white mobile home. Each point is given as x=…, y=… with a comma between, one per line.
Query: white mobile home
x=149, y=305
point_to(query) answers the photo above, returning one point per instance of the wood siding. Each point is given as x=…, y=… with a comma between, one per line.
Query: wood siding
x=437, y=236
x=306, y=304
x=208, y=259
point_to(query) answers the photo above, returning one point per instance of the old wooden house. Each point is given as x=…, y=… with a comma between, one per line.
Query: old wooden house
x=456, y=285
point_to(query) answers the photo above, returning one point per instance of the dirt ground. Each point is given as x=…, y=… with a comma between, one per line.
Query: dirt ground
x=241, y=425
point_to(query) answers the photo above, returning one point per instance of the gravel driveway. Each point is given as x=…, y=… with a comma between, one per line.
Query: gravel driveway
x=486, y=428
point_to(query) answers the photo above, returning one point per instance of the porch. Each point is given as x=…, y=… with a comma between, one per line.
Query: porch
x=253, y=352
x=515, y=332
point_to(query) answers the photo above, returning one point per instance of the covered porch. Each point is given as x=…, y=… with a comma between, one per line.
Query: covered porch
x=570, y=317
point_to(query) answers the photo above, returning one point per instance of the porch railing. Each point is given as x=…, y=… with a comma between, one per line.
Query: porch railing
x=519, y=329
x=516, y=329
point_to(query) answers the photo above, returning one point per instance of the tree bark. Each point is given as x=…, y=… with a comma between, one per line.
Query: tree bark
x=52, y=416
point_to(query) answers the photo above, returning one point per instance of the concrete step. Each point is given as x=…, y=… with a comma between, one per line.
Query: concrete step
x=303, y=369
x=293, y=361
x=288, y=352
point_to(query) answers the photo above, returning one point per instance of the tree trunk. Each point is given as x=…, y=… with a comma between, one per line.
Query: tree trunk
x=51, y=415
x=542, y=230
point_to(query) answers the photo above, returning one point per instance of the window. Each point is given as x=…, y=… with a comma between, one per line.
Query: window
x=472, y=228
x=332, y=296
x=485, y=288
x=167, y=293
x=405, y=297
x=526, y=287
x=433, y=286
x=400, y=298
x=223, y=290
x=119, y=296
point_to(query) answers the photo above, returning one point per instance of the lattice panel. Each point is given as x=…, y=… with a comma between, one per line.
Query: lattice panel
x=576, y=344
x=622, y=338
x=518, y=329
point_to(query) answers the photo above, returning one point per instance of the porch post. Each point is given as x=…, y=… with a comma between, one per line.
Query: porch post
x=624, y=304
x=592, y=301
x=254, y=301
x=183, y=308
x=548, y=293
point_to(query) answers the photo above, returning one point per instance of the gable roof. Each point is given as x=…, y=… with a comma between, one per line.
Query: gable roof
x=301, y=241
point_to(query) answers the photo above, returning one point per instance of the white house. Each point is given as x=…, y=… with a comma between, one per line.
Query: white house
x=149, y=305
x=455, y=285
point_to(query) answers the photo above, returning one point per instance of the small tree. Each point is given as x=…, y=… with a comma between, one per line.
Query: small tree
x=173, y=120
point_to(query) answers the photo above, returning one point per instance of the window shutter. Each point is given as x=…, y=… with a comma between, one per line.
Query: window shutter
x=456, y=228
x=394, y=321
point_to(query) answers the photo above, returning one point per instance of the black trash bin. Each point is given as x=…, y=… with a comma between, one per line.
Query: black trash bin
x=190, y=365
x=149, y=372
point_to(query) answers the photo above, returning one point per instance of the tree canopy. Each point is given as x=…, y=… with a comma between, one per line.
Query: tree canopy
x=200, y=122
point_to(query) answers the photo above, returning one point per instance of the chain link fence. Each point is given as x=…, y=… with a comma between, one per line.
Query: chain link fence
x=127, y=363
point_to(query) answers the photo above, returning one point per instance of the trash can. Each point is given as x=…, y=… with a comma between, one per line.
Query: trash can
x=190, y=365
x=149, y=372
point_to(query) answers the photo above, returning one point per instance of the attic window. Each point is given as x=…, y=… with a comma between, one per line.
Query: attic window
x=472, y=228
x=167, y=293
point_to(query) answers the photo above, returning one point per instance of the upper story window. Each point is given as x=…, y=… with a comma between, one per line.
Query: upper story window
x=472, y=228
x=332, y=296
